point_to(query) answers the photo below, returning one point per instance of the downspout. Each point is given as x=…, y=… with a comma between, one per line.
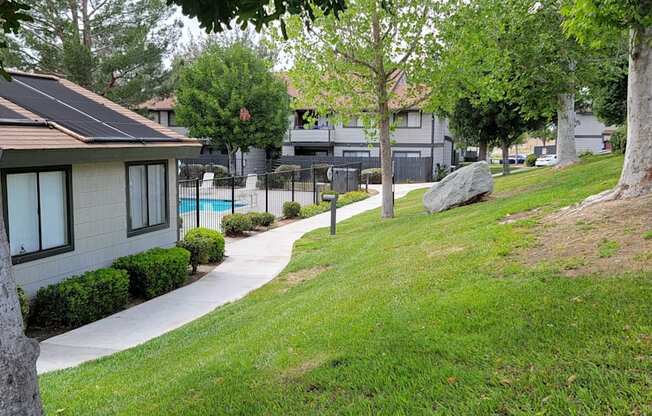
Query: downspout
x=432, y=146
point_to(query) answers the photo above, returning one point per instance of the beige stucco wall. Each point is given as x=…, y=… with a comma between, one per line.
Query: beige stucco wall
x=100, y=226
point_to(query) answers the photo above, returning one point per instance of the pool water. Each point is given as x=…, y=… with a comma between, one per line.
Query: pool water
x=206, y=204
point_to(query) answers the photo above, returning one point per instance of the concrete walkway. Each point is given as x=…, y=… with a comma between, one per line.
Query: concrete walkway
x=250, y=263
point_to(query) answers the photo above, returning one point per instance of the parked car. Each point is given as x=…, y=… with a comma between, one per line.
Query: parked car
x=514, y=159
x=546, y=160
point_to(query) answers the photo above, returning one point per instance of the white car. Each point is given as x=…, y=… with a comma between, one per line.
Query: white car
x=546, y=160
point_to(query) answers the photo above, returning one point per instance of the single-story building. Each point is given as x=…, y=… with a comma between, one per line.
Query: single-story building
x=84, y=180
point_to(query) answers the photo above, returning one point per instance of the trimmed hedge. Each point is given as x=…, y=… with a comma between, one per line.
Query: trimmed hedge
x=156, y=271
x=216, y=249
x=344, y=199
x=199, y=247
x=261, y=219
x=236, y=224
x=81, y=299
x=291, y=209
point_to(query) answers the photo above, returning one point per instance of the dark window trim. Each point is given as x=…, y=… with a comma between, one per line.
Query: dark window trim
x=35, y=255
x=404, y=152
x=157, y=114
x=170, y=115
x=356, y=151
x=408, y=127
x=149, y=228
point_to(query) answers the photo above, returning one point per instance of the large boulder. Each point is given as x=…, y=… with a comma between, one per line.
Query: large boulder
x=461, y=187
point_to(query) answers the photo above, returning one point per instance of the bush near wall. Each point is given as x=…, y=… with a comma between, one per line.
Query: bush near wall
x=24, y=305
x=156, y=271
x=291, y=209
x=236, y=224
x=81, y=299
x=199, y=248
x=216, y=249
x=261, y=219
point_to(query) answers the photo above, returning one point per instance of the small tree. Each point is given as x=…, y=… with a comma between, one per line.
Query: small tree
x=469, y=126
x=230, y=96
x=365, y=65
x=595, y=21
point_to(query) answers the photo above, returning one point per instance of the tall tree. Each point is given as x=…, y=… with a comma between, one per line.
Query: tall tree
x=469, y=126
x=609, y=92
x=229, y=94
x=364, y=65
x=114, y=47
x=593, y=21
x=12, y=14
x=515, y=50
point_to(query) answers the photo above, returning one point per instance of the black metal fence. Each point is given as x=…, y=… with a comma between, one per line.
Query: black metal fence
x=406, y=169
x=203, y=202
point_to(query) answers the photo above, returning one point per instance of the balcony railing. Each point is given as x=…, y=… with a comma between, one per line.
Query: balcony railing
x=321, y=135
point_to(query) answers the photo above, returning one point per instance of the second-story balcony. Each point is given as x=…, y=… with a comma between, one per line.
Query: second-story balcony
x=314, y=135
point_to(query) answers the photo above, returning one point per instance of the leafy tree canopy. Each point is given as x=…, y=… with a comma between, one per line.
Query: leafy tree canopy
x=223, y=83
x=215, y=16
x=114, y=47
x=12, y=14
x=609, y=93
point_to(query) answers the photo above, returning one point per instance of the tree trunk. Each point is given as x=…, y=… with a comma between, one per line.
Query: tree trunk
x=482, y=151
x=383, y=119
x=544, y=150
x=566, y=151
x=19, y=393
x=86, y=21
x=636, y=177
x=231, y=154
x=505, y=148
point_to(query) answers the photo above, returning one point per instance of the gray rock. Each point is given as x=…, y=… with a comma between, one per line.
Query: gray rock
x=461, y=187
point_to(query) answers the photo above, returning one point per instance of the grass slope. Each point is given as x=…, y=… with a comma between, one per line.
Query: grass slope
x=419, y=314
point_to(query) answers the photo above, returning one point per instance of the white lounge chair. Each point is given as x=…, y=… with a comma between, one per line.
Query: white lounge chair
x=249, y=191
x=207, y=180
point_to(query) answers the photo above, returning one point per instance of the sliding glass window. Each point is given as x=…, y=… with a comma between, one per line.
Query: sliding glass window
x=147, y=196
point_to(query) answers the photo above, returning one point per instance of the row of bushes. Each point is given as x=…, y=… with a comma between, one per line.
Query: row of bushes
x=344, y=199
x=237, y=224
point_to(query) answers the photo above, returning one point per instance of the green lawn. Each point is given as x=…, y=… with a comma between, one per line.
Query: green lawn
x=419, y=314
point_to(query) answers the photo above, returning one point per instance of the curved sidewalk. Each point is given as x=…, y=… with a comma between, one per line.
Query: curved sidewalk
x=250, y=263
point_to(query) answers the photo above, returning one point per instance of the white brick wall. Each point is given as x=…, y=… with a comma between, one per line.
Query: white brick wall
x=100, y=226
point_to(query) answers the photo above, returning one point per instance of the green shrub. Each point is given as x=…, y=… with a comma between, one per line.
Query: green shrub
x=219, y=171
x=344, y=199
x=291, y=209
x=216, y=249
x=586, y=153
x=81, y=299
x=199, y=248
x=287, y=169
x=156, y=271
x=374, y=175
x=314, y=209
x=531, y=159
x=618, y=140
x=24, y=305
x=260, y=219
x=236, y=224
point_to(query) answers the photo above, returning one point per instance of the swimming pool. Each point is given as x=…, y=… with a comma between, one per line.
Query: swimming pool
x=206, y=204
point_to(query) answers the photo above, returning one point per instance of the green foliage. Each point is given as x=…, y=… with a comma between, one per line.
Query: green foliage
x=218, y=16
x=199, y=247
x=156, y=271
x=24, y=305
x=118, y=52
x=344, y=199
x=80, y=299
x=261, y=219
x=609, y=92
x=220, y=83
x=530, y=160
x=216, y=249
x=13, y=13
x=291, y=209
x=371, y=175
x=647, y=235
x=236, y=224
x=618, y=139
x=608, y=248
x=585, y=154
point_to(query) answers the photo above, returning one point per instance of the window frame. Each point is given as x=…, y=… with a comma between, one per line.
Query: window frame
x=172, y=115
x=406, y=153
x=407, y=120
x=156, y=114
x=368, y=153
x=131, y=232
x=53, y=251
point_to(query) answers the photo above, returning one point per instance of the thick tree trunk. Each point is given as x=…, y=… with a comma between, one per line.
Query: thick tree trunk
x=231, y=154
x=383, y=119
x=505, y=149
x=636, y=177
x=482, y=151
x=566, y=151
x=19, y=393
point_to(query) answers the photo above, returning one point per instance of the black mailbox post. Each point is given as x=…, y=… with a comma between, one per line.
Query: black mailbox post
x=333, y=200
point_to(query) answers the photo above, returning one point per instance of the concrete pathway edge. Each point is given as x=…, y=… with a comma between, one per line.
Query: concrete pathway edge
x=250, y=264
